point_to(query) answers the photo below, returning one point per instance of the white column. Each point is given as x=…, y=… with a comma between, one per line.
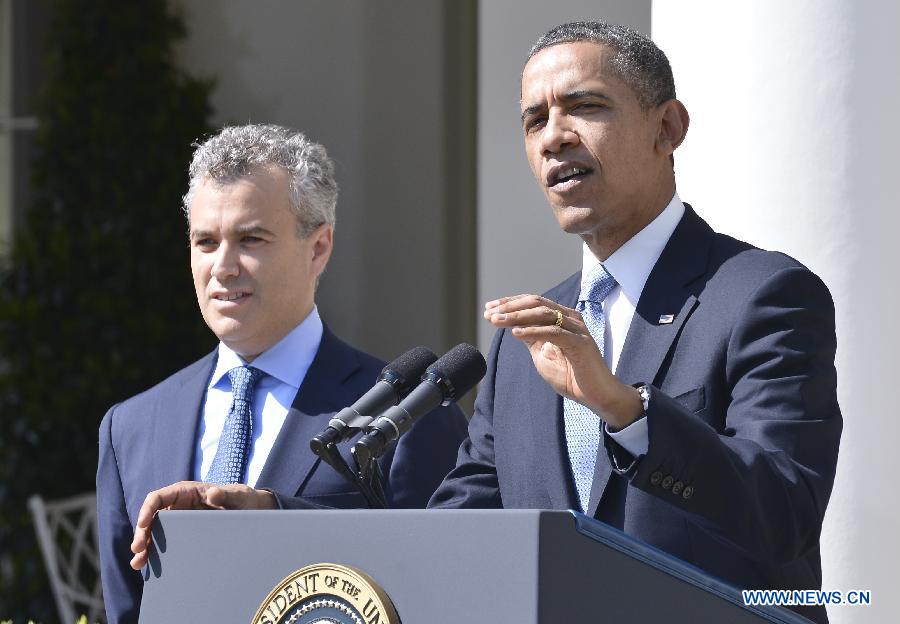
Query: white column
x=792, y=147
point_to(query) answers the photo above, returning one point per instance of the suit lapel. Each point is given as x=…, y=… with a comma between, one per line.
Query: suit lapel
x=547, y=406
x=321, y=394
x=668, y=292
x=175, y=424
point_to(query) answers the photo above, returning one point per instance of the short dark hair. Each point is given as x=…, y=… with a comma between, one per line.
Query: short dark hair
x=636, y=60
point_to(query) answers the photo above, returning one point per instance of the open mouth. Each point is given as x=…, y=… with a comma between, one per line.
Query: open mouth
x=563, y=175
x=236, y=296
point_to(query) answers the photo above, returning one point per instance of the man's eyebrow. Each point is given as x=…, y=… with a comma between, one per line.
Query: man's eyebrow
x=567, y=97
x=195, y=234
x=585, y=93
x=243, y=230
x=531, y=110
x=253, y=228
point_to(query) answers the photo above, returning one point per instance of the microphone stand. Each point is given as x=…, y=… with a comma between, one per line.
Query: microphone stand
x=368, y=478
x=370, y=473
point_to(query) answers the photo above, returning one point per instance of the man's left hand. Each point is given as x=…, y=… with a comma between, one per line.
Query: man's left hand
x=192, y=495
x=566, y=355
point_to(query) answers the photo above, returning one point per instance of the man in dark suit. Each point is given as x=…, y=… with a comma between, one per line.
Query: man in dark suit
x=680, y=387
x=261, y=213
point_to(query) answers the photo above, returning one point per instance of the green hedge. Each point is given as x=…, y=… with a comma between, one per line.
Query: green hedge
x=96, y=302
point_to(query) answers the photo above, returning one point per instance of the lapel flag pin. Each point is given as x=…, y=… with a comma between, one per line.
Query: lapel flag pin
x=666, y=319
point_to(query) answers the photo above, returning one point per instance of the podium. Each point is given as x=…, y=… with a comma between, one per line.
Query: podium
x=436, y=566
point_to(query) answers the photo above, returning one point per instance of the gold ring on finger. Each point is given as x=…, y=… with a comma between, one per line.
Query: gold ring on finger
x=559, y=318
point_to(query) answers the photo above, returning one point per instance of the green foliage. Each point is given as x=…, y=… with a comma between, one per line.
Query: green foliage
x=97, y=302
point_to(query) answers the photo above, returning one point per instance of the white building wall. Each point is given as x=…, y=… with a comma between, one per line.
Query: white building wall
x=792, y=147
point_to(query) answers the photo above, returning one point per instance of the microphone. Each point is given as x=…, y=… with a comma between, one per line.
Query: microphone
x=395, y=382
x=454, y=374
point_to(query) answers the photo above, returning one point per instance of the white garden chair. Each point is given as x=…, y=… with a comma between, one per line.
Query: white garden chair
x=67, y=534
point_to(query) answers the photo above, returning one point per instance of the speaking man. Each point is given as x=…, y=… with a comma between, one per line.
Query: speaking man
x=260, y=208
x=681, y=386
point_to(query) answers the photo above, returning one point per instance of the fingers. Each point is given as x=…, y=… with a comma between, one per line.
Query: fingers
x=516, y=302
x=239, y=497
x=559, y=336
x=532, y=310
x=156, y=500
x=182, y=495
x=191, y=495
x=503, y=300
x=139, y=560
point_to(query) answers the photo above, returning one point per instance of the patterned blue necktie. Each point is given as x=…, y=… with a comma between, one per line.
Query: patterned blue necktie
x=230, y=462
x=581, y=424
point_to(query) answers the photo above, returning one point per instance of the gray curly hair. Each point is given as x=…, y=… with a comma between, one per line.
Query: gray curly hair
x=237, y=151
x=636, y=60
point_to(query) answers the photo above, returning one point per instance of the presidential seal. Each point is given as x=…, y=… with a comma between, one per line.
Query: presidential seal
x=327, y=593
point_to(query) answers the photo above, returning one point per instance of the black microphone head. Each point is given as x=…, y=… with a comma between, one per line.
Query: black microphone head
x=404, y=372
x=457, y=371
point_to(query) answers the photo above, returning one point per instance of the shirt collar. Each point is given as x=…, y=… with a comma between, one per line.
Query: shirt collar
x=287, y=360
x=631, y=263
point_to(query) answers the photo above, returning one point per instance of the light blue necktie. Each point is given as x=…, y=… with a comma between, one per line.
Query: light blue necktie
x=230, y=463
x=581, y=424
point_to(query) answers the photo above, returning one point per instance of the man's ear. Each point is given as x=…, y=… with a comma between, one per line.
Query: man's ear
x=673, y=126
x=321, y=243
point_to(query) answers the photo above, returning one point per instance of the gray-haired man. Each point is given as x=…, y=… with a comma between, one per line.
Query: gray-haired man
x=260, y=207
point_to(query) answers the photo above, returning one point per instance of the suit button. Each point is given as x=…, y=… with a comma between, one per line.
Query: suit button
x=667, y=482
x=688, y=492
x=677, y=487
x=655, y=478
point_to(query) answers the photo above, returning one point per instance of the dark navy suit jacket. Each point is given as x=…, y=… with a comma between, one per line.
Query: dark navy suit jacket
x=743, y=418
x=148, y=442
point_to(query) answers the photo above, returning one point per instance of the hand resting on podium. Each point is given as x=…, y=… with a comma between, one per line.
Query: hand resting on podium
x=192, y=495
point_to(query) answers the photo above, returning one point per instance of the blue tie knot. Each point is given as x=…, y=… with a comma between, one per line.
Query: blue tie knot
x=599, y=284
x=243, y=381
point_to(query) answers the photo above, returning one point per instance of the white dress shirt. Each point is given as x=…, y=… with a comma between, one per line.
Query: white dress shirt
x=630, y=265
x=285, y=365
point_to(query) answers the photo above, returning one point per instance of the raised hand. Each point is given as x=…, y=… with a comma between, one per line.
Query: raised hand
x=566, y=355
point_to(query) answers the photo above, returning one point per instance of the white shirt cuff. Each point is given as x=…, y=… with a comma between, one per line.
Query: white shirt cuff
x=634, y=438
